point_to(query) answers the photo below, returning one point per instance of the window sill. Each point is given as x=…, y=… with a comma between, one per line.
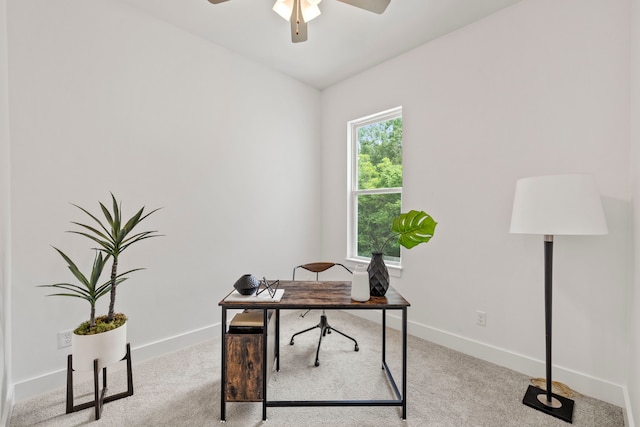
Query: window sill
x=394, y=269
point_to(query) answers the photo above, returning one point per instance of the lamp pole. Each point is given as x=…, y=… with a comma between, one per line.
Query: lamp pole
x=548, y=400
x=544, y=400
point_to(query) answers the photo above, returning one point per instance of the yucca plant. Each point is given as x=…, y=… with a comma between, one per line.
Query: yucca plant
x=88, y=289
x=113, y=237
x=412, y=228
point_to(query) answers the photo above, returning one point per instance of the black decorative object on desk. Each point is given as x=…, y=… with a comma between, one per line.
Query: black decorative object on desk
x=247, y=284
x=378, y=275
x=269, y=287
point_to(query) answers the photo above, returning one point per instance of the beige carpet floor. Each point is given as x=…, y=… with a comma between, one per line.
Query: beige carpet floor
x=445, y=388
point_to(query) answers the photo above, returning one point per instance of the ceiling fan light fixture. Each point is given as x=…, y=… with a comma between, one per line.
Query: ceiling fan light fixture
x=310, y=12
x=309, y=9
x=299, y=12
x=283, y=8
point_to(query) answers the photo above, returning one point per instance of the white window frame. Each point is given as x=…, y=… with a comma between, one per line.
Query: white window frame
x=352, y=188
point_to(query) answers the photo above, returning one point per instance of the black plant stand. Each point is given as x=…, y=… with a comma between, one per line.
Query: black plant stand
x=99, y=395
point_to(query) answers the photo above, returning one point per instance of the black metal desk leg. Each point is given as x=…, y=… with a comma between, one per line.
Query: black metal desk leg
x=277, y=349
x=384, y=337
x=264, y=363
x=404, y=363
x=224, y=366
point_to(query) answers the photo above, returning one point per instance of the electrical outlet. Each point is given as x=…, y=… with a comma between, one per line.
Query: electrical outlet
x=481, y=318
x=64, y=339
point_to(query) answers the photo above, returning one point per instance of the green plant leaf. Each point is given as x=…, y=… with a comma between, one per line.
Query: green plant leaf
x=95, y=219
x=112, y=235
x=414, y=227
x=77, y=291
x=74, y=269
x=88, y=289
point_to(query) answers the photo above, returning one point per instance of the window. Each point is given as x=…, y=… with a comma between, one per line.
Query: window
x=375, y=184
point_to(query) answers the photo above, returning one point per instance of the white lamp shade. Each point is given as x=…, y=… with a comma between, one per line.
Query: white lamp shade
x=557, y=205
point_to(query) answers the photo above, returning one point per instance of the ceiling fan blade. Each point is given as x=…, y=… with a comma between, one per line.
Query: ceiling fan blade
x=298, y=26
x=216, y=1
x=375, y=6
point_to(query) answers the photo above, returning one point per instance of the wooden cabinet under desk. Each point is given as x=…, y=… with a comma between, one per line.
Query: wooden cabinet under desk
x=244, y=352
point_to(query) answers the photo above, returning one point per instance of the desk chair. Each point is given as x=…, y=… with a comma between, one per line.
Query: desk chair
x=325, y=328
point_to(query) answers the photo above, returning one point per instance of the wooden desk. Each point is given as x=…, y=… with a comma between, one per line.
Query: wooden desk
x=321, y=295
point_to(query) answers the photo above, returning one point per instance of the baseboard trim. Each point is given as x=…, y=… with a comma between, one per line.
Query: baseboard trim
x=628, y=413
x=57, y=379
x=175, y=343
x=7, y=408
x=582, y=383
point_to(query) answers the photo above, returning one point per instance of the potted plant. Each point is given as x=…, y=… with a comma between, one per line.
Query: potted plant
x=90, y=290
x=411, y=229
x=103, y=337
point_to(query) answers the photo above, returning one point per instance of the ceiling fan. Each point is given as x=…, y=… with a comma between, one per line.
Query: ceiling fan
x=299, y=12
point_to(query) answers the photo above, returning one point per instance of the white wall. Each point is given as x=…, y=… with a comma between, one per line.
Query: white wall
x=633, y=402
x=5, y=230
x=541, y=87
x=104, y=98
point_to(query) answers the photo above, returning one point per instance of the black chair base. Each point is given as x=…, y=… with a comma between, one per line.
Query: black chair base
x=325, y=329
x=100, y=397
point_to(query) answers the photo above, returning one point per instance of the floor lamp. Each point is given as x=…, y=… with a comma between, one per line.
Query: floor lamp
x=555, y=205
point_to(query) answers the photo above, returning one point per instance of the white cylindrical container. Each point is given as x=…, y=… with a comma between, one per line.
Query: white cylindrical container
x=108, y=347
x=360, y=284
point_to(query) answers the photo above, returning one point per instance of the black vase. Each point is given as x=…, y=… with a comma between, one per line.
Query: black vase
x=247, y=284
x=378, y=275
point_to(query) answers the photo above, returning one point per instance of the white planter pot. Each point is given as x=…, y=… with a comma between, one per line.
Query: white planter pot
x=108, y=347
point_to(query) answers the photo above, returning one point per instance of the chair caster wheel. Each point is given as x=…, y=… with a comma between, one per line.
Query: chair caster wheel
x=356, y=348
x=317, y=363
x=291, y=342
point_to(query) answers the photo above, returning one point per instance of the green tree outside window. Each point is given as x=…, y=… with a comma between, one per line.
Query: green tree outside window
x=379, y=168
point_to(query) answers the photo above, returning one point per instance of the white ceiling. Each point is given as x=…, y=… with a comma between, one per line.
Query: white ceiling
x=343, y=41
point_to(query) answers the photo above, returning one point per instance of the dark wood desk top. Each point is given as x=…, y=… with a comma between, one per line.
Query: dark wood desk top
x=329, y=295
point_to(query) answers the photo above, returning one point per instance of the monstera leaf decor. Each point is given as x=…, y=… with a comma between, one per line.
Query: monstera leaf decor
x=414, y=227
x=411, y=228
